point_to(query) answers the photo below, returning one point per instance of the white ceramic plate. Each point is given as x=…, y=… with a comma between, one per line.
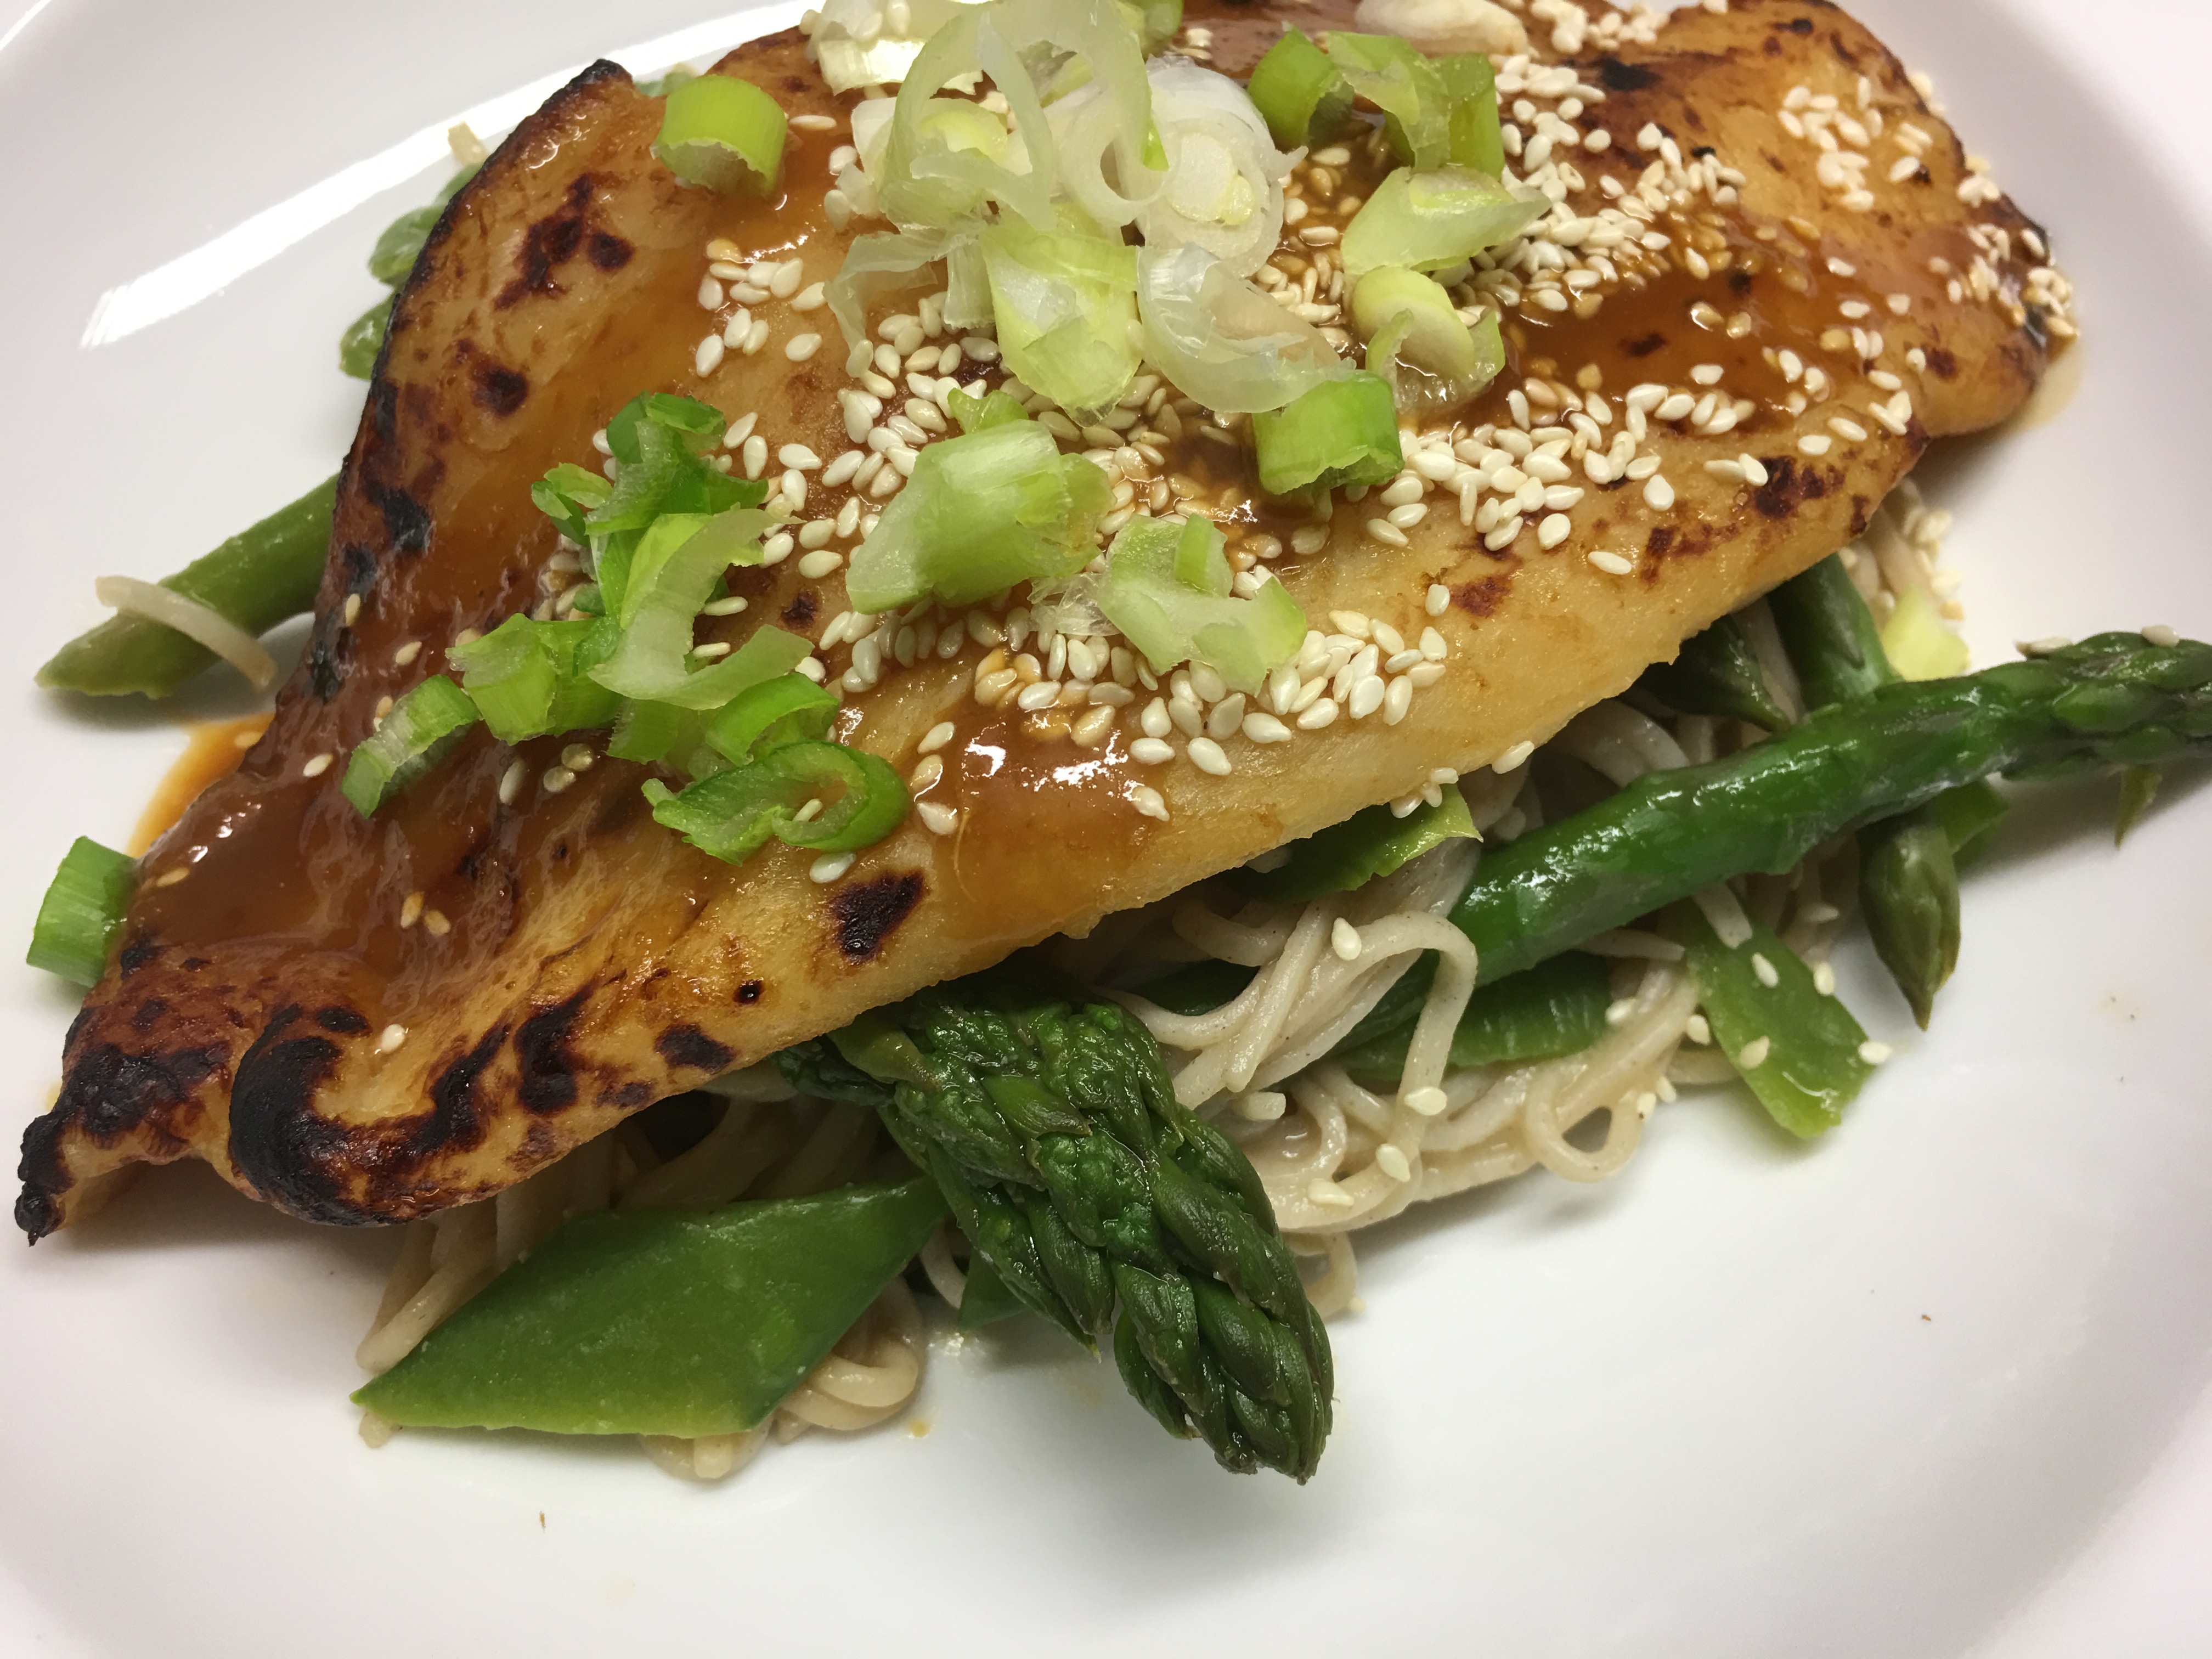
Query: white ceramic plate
x=1878, y=1397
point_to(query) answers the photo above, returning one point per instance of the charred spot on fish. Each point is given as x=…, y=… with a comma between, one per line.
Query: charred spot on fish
x=358, y=561
x=451, y=1123
x=279, y=1144
x=1666, y=542
x=1739, y=282
x=799, y=613
x=406, y=521
x=1797, y=26
x=1702, y=150
x=1483, y=597
x=147, y=1013
x=1660, y=542
x=1941, y=363
x=628, y=1095
x=549, y=244
x=541, y=1045
x=687, y=1045
x=110, y=1092
x=1644, y=347
x=1616, y=76
x=325, y=664
x=867, y=911
x=500, y=389
x=383, y=409
x=344, y=1021
x=1787, y=485
x=750, y=992
x=136, y=955
x=608, y=250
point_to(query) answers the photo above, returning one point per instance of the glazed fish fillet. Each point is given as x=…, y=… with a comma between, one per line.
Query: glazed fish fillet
x=1770, y=278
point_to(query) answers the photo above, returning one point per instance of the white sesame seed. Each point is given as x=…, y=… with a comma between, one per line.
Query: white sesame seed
x=936, y=737
x=1824, y=979
x=510, y=781
x=1612, y=563
x=1846, y=428
x=1148, y=801
x=1439, y=601
x=709, y=357
x=799, y=457
x=829, y=868
x=557, y=779
x=1429, y=1103
x=1395, y=700
x=1344, y=940
x=820, y=563
x=410, y=911
x=1382, y=530
x=436, y=924
x=811, y=122
x=1392, y=1162
x=937, y=818
x=393, y=1035
x=788, y=276
x=1658, y=493
x=1206, y=755
x=1764, y=970
x=1152, y=751
x=798, y=349
x=1555, y=528
x=1815, y=443
x=318, y=765
x=1706, y=374
x=352, y=609
x=1873, y=1053
x=1317, y=714
x=2045, y=645
x=1752, y=1054
x=2159, y=634
x=1621, y=1012
x=1325, y=1192
x=1513, y=759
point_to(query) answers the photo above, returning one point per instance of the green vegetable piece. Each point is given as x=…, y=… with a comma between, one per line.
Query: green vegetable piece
x=1351, y=854
x=766, y=716
x=661, y=1322
x=1798, y=1049
x=1920, y=648
x=987, y=1298
x=1557, y=1007
x=82, y=910
x=1909, y=890
x=401, y=245
x=1475, y=138
x=2138, y=789
x=1830, y=634
x=1430, y=220
x=1138, y=1219
x=1156, y=22
x=981, y=513
x=1765, y=807
x=675, y=566
x=1970, y=816
x=422, y=730
x=1340, y=433
x=1416, y=340
x=1167, y=589
x=1300, y=92
x=1717, y=674
x=732, y=815
x=524, y=679
x=364, y=340
x=257, y=579
x=724, y=133
x=649, y=731
x=1391, y=74
x=1065, y=302
x=993, y=408
x=568, y=494
x=701, y=426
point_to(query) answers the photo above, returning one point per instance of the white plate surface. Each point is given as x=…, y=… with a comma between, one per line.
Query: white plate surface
x=1937, y=1386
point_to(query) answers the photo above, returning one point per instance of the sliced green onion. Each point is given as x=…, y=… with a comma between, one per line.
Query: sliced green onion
x=523, y=680
x=1065, y=302
x=1800, y=1051
x=422, y=729
x=1918, y=646
x=858, y=45
x=933, y=174
x=669, y=480
x=1167, y=589
x=1476, y=140
x=980, y=513
x=1154, y=20
x=764, y=717
x=1416, y=340
x=1341, y=433
x=1557, y=1007
x=1429, y=221
x=1389, y=74
x=83, y=909
x=1300, y=92
x=878, y=263
x=700, y=425
x=724, y=133
x=993, y=408
x=567, y=493
x=1220, y=340
x=1222, y=189
x=678, y=562
x=1368, y=844
x=653, y=731
x=732, y=815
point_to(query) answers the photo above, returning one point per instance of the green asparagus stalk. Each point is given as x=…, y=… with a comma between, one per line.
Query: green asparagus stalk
x=1908, y=881
x=1716, y=673
x=2116, y=699
x=257, y=579
x=1050, y=1124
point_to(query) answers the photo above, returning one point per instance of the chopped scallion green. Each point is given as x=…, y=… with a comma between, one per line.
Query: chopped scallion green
x=1167, y=589
x=1340, y=432
x=1391, y=74
x=83, y=909
x=1299, y=92
x=423, y=727
x=724, y=133
x=1428, y=221
x=732, y=815
x=767, y=716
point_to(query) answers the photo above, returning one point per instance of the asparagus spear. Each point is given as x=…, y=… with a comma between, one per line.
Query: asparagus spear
x=257, y=579
x=1716, y=673
x=1049, y=1122
x=1908, y=882
x=2113, y=699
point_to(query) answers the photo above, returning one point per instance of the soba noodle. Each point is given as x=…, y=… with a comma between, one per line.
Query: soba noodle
x=1333, y=1156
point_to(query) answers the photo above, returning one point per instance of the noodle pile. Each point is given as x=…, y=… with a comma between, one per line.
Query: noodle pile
x=1334, y=1156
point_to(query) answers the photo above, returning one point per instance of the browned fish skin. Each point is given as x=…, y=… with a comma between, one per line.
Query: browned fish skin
x=557, y=964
